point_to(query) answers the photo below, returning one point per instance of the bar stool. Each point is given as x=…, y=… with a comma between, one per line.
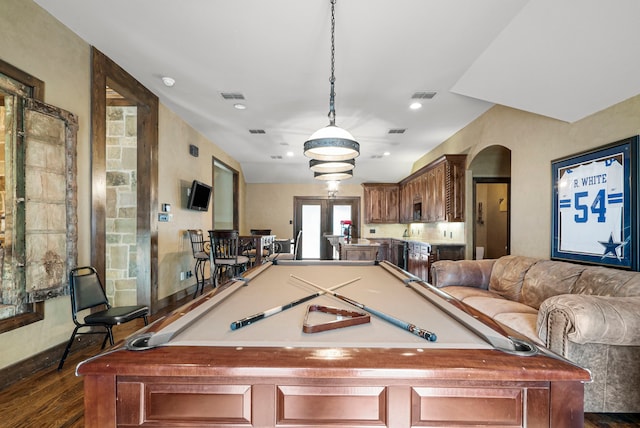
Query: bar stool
x=200, y=249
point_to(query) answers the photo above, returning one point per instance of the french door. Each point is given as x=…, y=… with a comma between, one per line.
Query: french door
x=318, y=217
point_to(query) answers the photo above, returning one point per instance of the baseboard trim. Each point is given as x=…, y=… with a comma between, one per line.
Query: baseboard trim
x=43, y=360
x=177, y=298
x=49, y=357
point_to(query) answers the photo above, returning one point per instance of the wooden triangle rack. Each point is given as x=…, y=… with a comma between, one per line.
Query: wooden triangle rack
x=345, y=318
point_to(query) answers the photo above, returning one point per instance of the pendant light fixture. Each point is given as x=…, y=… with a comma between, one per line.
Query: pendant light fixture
x=332, y=176
x=331, y=166
x=332, y=143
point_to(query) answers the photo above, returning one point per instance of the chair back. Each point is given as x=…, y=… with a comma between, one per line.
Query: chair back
x=224, y=244
x=296, y=245
x=198, y=243
x=86, y=289
x=260, y=231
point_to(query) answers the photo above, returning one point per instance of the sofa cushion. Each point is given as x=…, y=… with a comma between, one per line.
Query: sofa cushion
x=461, y=292
x=522, y=323
x=549, y=278
x=508, y=275
x=514, y=315
x=602, y=281
x=492, y=306
x=472, y=273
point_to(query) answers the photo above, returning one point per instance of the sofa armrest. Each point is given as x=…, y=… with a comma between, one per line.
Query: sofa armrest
x=584, y=319
x=470, y=273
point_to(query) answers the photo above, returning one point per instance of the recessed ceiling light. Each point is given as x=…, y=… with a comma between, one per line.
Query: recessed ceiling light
x=386, y=153
x=240, y=106
x=290, y=154
x=415, y=106
x=168, y=81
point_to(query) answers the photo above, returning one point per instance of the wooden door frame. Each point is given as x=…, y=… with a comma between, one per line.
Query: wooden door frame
x=325, y=202
x=236, y=192
x=491, y=180
x=107, y=73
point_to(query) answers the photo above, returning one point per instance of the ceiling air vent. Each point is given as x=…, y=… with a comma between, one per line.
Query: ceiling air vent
x=232, y=96
x=376, y=157
x=257, y=131
x=276, y=157
x=425, y=95
x=397, y=131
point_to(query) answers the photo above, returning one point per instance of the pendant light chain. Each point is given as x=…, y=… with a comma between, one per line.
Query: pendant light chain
x=332, y=149
x=332, y=79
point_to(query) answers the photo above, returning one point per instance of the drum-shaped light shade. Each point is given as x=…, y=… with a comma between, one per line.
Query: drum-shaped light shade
x=331, y=166
x=333, y=176
x=331, y=143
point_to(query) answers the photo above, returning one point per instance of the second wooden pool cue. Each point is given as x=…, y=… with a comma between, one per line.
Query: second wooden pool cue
x=411, y=328
x=261, y=315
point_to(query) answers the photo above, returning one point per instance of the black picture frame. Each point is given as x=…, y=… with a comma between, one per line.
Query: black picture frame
x=595, y=206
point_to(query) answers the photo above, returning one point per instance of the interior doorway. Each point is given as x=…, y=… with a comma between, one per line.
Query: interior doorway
x=318, y=217
x=142, y=260
x=491, y=213
x=491, y=217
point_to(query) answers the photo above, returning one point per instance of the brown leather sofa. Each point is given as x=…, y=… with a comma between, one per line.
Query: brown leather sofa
x=588, y=314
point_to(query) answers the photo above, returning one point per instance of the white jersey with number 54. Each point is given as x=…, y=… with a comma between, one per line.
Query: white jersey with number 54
x=591, y=201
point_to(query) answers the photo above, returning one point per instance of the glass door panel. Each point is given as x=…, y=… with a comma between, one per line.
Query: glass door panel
x=311, y=231
x=318, y=217
x=339, y=213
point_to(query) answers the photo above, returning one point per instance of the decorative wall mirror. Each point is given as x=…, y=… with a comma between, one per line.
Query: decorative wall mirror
x=38, y=220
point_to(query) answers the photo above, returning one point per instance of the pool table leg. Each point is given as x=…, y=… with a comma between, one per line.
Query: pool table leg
x=100, y=408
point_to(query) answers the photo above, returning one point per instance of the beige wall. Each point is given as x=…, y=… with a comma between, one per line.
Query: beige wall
x=270, y=206
x=177, y=169
x=534, y=142
x=36, y=43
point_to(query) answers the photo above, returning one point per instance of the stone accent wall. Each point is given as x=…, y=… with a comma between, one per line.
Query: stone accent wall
x=121, y=255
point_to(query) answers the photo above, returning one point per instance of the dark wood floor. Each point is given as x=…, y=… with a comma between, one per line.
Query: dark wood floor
x=52, y=399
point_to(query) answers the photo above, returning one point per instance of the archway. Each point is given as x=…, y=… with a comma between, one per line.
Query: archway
x=491, y=220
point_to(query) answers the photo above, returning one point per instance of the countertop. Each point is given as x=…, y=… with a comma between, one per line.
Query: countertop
x=421, y=240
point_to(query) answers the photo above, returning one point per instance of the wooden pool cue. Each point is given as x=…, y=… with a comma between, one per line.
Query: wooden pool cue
x=261, y=315
x=411, y=328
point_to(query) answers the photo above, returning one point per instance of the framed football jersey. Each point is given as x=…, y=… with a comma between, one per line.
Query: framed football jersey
x=595, y=206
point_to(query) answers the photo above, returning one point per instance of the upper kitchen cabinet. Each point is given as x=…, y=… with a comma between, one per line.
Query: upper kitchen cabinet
x=381, y=203
x=435, y=192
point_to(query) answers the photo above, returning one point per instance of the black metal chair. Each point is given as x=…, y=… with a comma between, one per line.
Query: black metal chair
x=87, y=293
x=200, y=248
x=225, y=255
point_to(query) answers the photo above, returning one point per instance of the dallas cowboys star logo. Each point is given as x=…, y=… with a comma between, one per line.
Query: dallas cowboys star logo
x=611, y=247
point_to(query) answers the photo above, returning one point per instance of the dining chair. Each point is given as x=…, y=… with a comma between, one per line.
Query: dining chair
x=225, y=254
x=249, y=245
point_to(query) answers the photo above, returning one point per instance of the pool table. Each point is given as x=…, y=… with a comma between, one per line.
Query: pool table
x=191, y=368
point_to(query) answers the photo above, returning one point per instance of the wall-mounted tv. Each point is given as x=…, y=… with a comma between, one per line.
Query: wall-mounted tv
x=199, y=196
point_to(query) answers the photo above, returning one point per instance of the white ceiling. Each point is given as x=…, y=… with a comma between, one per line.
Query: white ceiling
x=562, y=59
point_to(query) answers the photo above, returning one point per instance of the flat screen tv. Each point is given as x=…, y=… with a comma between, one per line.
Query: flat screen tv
x=199, y=196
